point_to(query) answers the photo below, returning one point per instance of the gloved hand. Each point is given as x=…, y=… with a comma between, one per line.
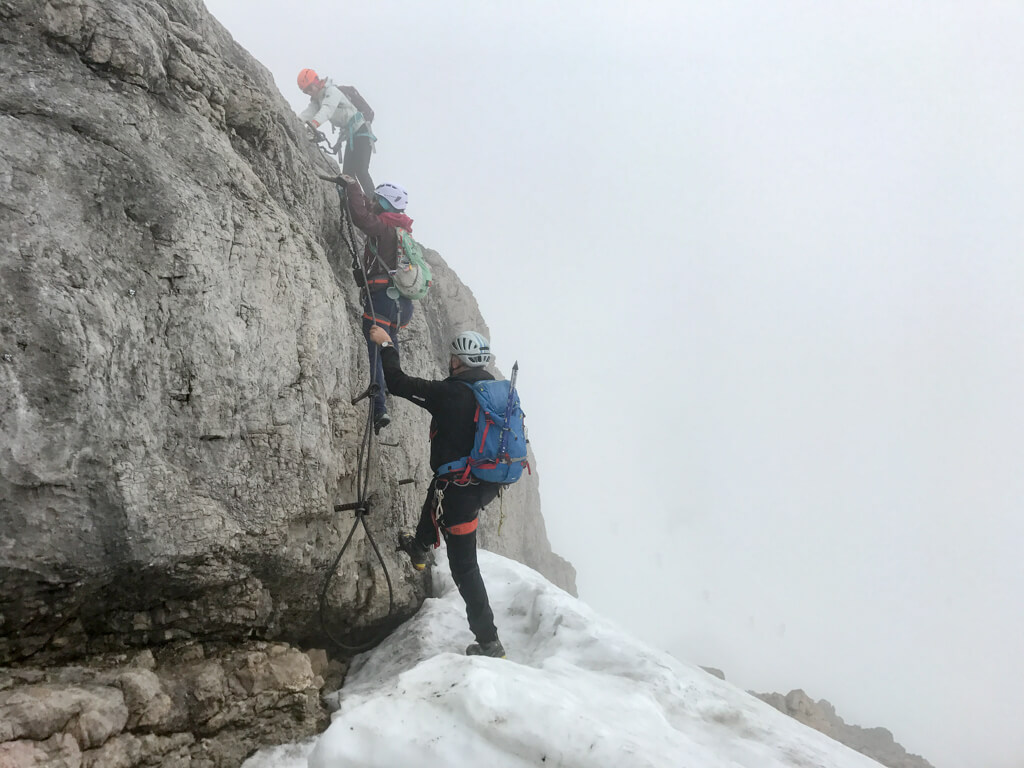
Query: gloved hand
x=358, y=276
x=347, y=179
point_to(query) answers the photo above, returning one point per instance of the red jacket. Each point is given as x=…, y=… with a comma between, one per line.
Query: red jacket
x=381, y=253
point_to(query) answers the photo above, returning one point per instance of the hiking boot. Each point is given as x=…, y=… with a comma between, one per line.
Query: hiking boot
x=494, y=649
x=380, y=421
x=417, y=554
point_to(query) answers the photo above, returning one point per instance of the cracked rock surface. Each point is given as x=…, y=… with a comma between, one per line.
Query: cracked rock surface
x=179, y=345
x=190, y=706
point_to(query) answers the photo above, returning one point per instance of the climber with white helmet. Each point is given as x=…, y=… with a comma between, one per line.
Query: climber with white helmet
x=382, y=304
x=453, y=501
x=347, y=111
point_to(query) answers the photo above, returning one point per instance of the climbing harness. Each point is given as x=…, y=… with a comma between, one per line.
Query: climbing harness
x=437, y=507
x=352, y=132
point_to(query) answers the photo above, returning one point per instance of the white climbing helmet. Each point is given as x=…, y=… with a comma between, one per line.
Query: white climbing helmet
x=394, y=194
x=472, y=349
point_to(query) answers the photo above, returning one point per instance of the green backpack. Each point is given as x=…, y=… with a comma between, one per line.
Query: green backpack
x=412, y=279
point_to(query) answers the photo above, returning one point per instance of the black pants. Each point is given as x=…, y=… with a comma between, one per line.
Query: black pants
x=459, y=509
x=357, y=161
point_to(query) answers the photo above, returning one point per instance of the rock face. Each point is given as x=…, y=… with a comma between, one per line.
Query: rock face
x=179, y=346
x=876, y=743
x=189, y=707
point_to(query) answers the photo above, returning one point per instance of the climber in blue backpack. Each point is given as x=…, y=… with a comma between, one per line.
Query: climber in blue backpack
x=478, y=444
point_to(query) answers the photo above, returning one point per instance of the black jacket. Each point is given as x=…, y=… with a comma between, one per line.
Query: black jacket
x=451, y=404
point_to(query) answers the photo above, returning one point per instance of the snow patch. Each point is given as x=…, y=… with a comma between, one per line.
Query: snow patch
x=576, y=690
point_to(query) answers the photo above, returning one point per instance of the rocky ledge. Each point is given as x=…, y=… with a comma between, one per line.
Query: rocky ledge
x=190, y=705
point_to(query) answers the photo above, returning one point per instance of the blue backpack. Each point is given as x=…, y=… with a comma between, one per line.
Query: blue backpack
x=499, y=448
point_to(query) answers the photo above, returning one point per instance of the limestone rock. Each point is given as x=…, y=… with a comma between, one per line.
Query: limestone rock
x=59, y=751
x=180, y=341
x=90, y=714
x=179, y=345
x=199, y=706
x=145, y=698
x=876, y=743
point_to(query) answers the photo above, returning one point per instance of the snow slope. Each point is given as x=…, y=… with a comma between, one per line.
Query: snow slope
x=575, y=691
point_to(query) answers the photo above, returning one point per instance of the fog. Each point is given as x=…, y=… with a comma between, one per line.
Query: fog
x=762, y=270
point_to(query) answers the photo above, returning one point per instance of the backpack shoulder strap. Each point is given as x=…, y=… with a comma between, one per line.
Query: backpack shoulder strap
x=374, y=245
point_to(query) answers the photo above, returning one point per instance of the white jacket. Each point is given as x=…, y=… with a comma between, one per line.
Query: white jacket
x=331, y=104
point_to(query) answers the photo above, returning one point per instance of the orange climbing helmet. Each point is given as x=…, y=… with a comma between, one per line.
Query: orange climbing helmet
x=307, y=77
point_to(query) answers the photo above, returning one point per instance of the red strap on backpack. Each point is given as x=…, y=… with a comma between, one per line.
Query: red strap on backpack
x=487, y=428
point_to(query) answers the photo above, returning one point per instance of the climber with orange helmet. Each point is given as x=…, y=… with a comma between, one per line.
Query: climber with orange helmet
x=348, y=112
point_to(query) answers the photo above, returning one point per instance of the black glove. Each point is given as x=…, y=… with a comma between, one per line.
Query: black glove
x=358, y=276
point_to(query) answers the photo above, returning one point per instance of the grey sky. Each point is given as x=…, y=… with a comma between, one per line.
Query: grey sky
x=761, y=265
